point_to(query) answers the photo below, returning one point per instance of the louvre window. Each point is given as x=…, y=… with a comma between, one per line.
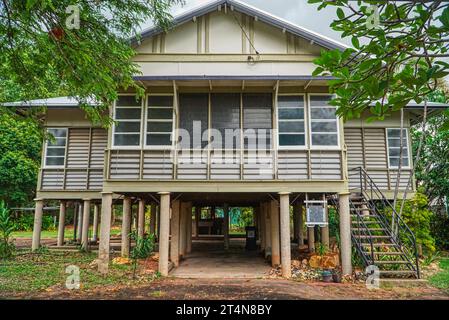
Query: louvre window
x=323, y=122
x=291, y=126
x=394, y=147
x=56, y=146
x=257, y=120
x=159, y=124
x=225, y=118
x=193, y=120
x=127, y=116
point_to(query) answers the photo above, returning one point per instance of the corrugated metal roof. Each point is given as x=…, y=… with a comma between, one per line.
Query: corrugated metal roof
x=58, y=102
x=250, y=11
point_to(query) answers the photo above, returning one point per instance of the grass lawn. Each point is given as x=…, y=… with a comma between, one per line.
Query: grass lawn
x=28, y=273
x=68, y=233
x=441, y=279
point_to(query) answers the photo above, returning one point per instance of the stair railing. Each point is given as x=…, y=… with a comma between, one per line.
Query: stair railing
x=370, y=190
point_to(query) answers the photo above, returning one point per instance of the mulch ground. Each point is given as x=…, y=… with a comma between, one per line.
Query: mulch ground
x=233, y=289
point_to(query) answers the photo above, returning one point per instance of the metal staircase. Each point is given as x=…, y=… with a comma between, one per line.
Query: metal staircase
x=379, y=234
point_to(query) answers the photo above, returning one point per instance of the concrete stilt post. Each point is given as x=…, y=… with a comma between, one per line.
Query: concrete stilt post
x=75, y=221
x=61, y=223
x=267, y=215
x=197, y=220
x=345, y=233
x=105, y=232
x=275, y=243
x=189, y=229
x=141, y=218
x=284, y=201
x=164, y=232
x=174, y=227
x=182, y=229
x=311, y=238
x=126, y=226
x=38, y=212
x=158, y=221
x=79, y=225
x=95, y=224
x=300, y=224
x=325, y=232
x=153, y=218
x=226, y=226
x=262, y=227
x=85, y=234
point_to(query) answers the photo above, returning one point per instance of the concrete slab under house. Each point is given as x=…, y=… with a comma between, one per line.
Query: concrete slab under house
x=232, y=118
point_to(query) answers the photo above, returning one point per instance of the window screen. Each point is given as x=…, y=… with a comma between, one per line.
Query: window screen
x=55, y=151
x=394, y=147
x=159, y=121
x=193, y=119
x=257, y=120
x=323, y=121
x=291, y=125
x=127, y=116
x=225, y=116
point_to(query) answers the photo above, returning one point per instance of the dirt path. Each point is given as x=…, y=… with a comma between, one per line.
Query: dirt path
x=171, y=288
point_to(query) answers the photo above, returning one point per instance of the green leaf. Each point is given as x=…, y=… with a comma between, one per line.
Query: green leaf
x=355, y=42
x=444, y=18
x=340, y=13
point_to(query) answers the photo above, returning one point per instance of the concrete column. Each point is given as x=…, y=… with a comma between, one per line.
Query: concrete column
x=267, y=217
x=226, y=226
x=85, y=234
x=79, y=225
x=105, y=232
x=325, y=231
x=158, y=219
x=345, y=233
x=275, y=243
x=300, y=224
x=164, y=232
x=141, y=218
x=95, y=224
x=174, y=228
x=182, y=229
x=75, y=221
x=189, y=229
x=197, y=220
x=61, y=223
x=38, y=212
x=262, y=227
x=284, y=201
x=153, y=218
x=311, y=238
x=126, y=226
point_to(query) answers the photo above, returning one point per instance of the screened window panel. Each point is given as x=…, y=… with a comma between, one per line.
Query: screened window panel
x=126, y=139
x=225, y=118
x=56, y=147
x=323, y=122
x=193, y=111
x=128, y=117
x=394, y=147
x=291, y=121
x=257, y=120
x=159, y=124
x=159, y=139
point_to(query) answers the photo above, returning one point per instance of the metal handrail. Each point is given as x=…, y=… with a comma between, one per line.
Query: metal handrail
x=403, y=229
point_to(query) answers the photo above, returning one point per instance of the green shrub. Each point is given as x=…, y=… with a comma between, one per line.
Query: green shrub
x=440, y=230
x=417, y=216
x=26, y=222
x=7, y=247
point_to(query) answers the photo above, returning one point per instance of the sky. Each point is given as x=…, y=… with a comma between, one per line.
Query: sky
x=295, y=11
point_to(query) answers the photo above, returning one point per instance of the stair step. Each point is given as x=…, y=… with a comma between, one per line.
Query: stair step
x=391, y=262
x=379, y=244
x=388, y=253
x=370, y=229
x=371, y=237
x=366, y=222
x=363, y=216
x=396, y=272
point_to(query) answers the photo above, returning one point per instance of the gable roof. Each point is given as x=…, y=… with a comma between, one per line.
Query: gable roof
x=250, y=11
